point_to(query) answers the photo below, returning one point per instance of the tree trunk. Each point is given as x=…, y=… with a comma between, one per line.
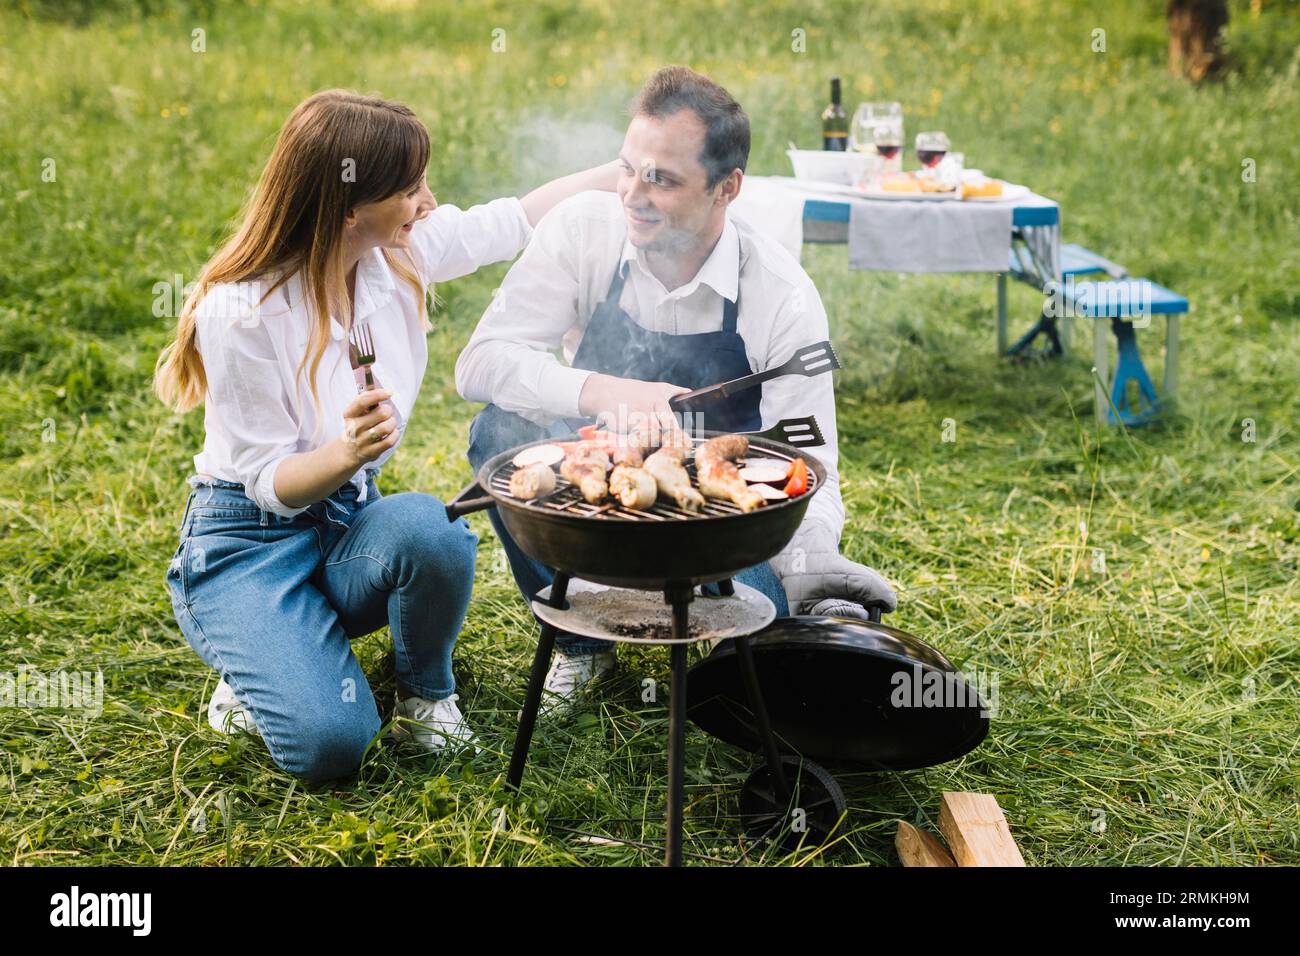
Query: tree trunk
x=1195, y=46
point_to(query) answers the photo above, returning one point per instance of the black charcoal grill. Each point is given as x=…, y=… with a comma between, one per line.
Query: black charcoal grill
x=666, y=549
x=649, y=549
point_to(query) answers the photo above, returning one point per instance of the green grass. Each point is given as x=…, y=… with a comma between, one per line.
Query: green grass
x=1162, y=691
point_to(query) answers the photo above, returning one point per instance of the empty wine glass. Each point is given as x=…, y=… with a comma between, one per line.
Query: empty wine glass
x=931, y=147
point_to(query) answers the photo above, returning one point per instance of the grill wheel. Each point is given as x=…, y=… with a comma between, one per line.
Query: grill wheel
x=764, y=817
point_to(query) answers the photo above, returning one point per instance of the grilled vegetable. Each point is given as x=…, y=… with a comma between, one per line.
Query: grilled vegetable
x=798, y=482
x=765, y=471
x=549, y=455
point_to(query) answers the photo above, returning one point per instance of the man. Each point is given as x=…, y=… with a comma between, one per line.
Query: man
x=651, y=293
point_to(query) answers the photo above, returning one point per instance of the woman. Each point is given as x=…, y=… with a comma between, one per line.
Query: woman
x=287, y=550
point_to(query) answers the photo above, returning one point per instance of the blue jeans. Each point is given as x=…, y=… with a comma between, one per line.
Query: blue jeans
x=272, y=603
x=495, y=430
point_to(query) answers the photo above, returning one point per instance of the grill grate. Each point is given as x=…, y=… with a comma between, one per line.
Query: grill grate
x=567, y=499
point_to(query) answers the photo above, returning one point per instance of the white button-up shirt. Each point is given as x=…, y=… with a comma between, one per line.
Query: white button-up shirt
x=549, y=295
x=256, y=413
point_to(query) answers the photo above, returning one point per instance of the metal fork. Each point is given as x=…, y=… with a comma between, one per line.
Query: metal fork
x=363, y=351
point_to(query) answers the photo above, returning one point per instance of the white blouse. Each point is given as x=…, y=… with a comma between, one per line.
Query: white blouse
x=255, y=413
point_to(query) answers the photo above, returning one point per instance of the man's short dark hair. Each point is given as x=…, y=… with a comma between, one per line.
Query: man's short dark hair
x=726, y=138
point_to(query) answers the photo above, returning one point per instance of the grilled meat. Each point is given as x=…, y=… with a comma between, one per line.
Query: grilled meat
x=723, y=448
x=532, y=481
x=629, y=455
x=718, y=475
x=634, y=487
x=632, y=449
x=590, y=452
x=586, y=466
x=677, y=442
x=672, y=479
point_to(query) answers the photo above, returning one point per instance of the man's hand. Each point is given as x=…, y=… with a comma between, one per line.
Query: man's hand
x=819, y=580
x=625, y=403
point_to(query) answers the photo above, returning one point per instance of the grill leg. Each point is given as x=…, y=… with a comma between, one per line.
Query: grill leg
x=677, y=727
x=749, y=676
x=533, y=698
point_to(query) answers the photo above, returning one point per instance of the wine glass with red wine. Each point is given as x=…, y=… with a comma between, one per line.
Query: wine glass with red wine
x=889, y=140
x=869, y=116
x=931, y=148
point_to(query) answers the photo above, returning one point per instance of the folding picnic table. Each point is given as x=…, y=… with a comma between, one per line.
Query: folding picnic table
x=1038, y=259
x=1033, y=217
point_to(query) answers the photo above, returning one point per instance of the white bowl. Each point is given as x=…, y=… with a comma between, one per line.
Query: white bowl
x=847, y=168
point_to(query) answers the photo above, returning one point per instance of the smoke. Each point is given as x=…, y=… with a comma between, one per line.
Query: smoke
x=547, y=146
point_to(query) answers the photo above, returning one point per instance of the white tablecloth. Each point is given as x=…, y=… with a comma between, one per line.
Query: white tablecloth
x=771, y=206
x=898, y=235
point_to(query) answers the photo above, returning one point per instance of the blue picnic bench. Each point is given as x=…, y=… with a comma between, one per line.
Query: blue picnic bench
x=1130, y=396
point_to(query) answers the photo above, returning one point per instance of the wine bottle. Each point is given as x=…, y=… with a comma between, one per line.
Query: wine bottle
x=835, y=126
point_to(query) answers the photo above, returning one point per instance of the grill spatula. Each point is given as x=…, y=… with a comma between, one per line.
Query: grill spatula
x=809, y=360
x=800, y=432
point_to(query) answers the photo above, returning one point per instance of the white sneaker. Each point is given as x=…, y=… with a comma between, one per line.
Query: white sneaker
x=570, y=677
x=226, y=714
x=433, y=724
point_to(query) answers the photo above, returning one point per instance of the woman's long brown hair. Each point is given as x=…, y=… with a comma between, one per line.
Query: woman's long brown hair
x=338, y=150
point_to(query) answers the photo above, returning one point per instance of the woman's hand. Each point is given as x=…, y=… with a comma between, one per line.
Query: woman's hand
x=369, y=430
x=369, y=427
